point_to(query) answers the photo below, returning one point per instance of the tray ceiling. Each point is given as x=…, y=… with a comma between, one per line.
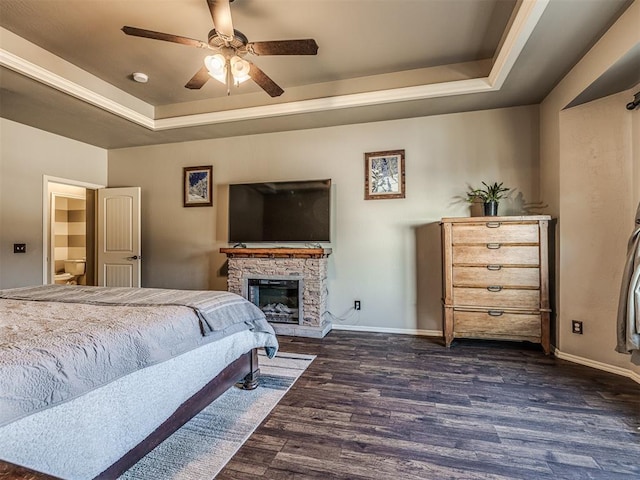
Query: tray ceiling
x=67, y=66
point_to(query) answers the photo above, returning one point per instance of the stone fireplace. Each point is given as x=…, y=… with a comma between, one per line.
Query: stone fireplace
x=288, y=284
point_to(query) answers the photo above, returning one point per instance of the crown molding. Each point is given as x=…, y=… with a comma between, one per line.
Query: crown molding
x=460, y=87
x=46, y=77
x=523, y=24
x=521, y=28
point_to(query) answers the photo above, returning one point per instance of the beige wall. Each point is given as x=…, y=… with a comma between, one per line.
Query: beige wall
x=589, y=177
x=597, y=210
x=623, y=36
x=26, y=156
x=376, y=257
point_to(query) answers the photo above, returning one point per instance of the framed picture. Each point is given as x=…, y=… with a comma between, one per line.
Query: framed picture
x=384, y=175
x=197, y=186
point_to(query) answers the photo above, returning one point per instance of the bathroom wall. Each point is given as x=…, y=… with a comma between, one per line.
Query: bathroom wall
x=70, y=230
x=69, y=224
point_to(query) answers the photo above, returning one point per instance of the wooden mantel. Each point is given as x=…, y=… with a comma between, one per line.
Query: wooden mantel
x=283, y=252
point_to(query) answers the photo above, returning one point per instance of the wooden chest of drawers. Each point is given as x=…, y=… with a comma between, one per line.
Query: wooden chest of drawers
x=496, y=278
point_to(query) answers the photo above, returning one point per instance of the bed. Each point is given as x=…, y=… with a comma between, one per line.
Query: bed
x=93, y=378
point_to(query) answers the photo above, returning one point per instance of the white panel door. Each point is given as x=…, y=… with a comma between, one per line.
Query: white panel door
x=119, y=255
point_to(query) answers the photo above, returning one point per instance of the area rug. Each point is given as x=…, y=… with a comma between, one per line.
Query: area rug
x=202, y=447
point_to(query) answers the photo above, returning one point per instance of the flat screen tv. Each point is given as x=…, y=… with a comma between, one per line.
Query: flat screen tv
x=296, y=211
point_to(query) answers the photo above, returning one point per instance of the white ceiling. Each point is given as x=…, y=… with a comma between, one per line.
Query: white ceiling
x=66, y=65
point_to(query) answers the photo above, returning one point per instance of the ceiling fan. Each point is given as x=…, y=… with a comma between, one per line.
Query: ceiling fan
x=228, y=64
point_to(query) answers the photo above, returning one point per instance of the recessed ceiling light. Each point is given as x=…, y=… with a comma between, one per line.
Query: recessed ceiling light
x=140, y=77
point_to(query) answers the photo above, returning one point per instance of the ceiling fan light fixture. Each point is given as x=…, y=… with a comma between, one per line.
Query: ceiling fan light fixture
x=239, y=69
x=217, y=67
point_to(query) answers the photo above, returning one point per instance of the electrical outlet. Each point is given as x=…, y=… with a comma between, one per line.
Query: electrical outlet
x=356, y=305
x=19, y=248
x=576, y=326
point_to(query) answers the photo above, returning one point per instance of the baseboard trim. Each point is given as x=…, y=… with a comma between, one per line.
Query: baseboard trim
x=400, y=331
x=599, y=365
x=438, y=333
x=295, y=330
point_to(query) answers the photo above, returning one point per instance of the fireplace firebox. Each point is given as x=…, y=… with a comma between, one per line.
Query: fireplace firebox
x=279, y=298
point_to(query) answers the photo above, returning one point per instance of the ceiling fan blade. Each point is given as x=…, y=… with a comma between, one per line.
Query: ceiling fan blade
x=199, y=79
x=307, y=46
x=261, y=78
x=167, y=37
x=221, y=15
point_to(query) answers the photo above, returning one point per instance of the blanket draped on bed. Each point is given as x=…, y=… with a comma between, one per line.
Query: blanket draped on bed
x=58, y=342
x=217, y=311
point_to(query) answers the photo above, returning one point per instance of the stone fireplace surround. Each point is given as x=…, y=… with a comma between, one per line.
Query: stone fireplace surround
x=309, y=264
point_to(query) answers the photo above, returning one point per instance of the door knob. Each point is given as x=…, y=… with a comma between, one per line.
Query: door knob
x=135, y=257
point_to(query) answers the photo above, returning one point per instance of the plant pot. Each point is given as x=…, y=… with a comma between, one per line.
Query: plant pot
x=491, y=208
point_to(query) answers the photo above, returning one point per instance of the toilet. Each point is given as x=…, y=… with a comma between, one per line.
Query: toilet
x=73, y=269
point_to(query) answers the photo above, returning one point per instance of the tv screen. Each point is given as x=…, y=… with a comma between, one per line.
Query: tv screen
x=297, y=211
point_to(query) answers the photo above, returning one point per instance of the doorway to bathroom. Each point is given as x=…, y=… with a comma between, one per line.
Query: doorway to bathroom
x=70, y=239
x=91, y=234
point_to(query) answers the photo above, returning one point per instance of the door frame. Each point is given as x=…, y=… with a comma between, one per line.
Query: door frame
x=46, y=217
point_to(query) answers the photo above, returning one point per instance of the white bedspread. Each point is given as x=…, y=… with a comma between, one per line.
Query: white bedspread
x=52, y=352
x=79, y=439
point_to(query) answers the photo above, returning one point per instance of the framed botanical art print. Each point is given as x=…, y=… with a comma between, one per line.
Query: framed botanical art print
x=384, y=175
x=197, y=186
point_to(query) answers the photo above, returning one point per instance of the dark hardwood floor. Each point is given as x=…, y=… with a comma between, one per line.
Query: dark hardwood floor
x=378, y=406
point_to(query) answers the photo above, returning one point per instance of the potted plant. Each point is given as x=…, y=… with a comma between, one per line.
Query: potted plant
x=489, y=195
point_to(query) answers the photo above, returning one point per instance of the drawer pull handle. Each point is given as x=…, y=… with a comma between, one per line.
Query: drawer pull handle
x=494, y=288
x=495, y=313
x=494, y=267
x=493, y=246
x=493, y=224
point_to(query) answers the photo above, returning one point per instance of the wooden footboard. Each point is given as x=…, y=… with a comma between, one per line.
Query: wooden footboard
x=244, y=368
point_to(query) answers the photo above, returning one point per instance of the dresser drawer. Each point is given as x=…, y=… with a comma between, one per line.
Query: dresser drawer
x=496, y=254
x=502, y=297
x=495, y=232
x=496, y=324
x=483, y=276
